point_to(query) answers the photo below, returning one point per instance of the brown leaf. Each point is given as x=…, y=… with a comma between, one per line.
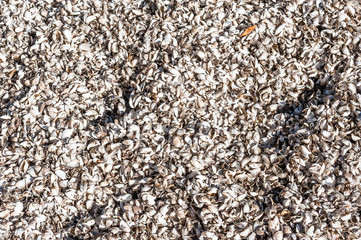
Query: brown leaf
x=12, y=73
x=247, y=31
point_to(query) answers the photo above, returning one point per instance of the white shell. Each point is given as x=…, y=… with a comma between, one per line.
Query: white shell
x=18, y=208
x=199, y=70
x=68, y=35
x=61, y=174
x=67, y=133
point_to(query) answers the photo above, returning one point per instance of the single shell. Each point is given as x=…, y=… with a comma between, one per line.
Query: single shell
x=278, y=235
x=199, y=70
x=305, y=151
x=204, y=127
x=61, y=174
x=68, y=35
x=177, y=142
x=66, y=133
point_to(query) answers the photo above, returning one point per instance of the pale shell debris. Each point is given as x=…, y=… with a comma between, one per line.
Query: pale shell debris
x=173, y=120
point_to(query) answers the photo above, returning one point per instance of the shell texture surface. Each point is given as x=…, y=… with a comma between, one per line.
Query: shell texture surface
x=195, y=119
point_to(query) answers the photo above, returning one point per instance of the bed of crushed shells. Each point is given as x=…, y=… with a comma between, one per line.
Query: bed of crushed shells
x=172, y=119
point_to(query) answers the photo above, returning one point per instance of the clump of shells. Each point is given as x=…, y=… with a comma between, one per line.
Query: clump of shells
x=180, y=119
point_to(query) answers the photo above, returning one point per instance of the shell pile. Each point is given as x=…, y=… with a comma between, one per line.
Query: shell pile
x=170, y=119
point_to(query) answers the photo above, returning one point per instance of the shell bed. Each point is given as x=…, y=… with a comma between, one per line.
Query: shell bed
x=180, y=119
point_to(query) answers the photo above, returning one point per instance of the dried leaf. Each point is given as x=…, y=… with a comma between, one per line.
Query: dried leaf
x=12, y=73
x=247, y=31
